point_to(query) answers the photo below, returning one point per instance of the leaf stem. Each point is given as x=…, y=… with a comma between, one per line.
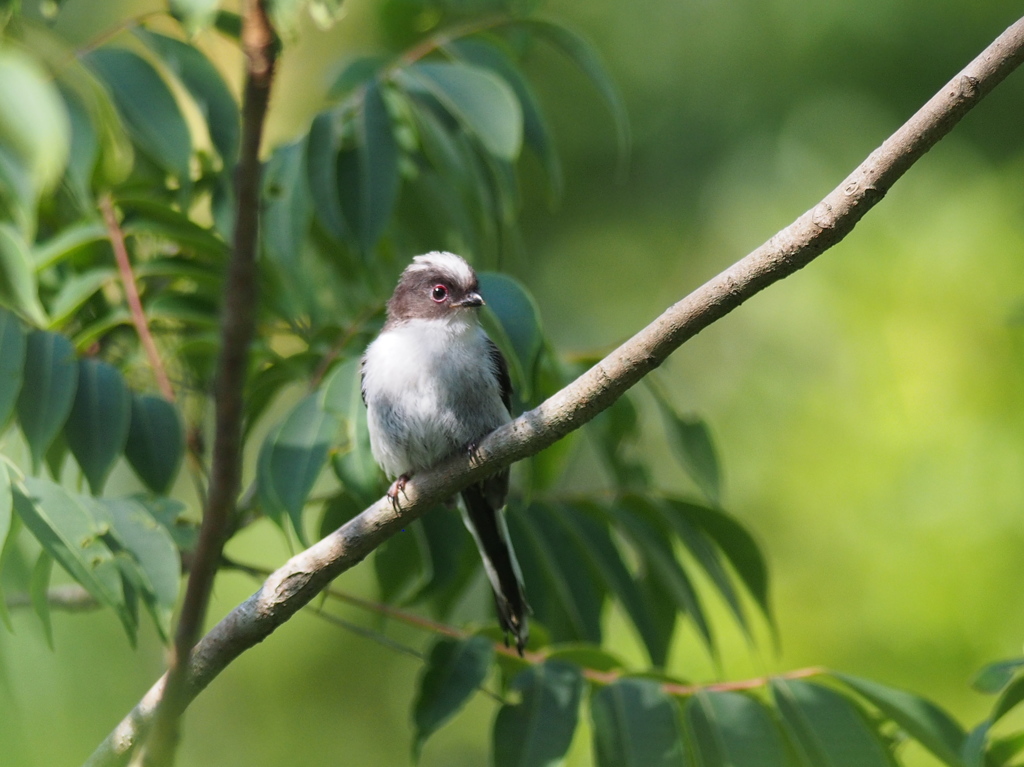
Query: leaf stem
x=131, y=292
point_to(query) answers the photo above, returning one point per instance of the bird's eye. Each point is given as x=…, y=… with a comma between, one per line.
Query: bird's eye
x=439, y=293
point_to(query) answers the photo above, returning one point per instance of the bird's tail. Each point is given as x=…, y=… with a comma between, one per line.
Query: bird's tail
x=487, y=524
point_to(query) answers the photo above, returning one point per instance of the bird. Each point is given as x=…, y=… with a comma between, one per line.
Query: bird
x=433, y=384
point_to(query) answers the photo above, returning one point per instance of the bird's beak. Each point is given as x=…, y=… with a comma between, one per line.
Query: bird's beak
x=470, y=300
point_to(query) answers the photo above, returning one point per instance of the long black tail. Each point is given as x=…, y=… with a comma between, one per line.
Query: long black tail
x=487, y=525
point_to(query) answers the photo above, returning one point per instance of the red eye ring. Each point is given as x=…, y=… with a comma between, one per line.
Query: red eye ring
x=438, y=293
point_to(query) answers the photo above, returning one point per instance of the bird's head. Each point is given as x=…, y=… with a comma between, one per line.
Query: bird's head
x=438, y=286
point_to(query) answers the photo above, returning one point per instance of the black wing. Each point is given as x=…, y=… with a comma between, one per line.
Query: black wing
x=362, y=378
x=501, y=371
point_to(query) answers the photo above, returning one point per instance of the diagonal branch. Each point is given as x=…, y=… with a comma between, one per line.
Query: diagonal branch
x=304, y=575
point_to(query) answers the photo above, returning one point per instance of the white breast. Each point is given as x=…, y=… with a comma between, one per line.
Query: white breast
x=431, y=389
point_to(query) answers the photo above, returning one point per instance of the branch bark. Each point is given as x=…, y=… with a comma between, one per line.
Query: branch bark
x=301, y=578
x=238, y=321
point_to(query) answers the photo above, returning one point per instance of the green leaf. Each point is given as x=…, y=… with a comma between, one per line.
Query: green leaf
x=147, y=106
x=640, y=521
x=6, y=506
x=728, y=728
x=287, y=207
x=153, y=550
x=7, y=545
x=691, y=444
x=12, y=366
x=537, y=731
x=68, y=242
x=148, y=217
x=194, y=15
x=173, y=516
x=974, y=747
x=75, y=291
x=477, y=98
x=583, y=54
x=322, y=174
x=706, y=555
x=72, y=536
x=48, y=390
x=368, y=179
x=452, y=559
x=34, y=123
x=583, y=519
x=18, y=288
x=292, y=457
x=38, y=587
x=636, y=724
x=736, y=543
x=1008, y=699
x=567, y=599
x=356, y=73
x=825, y=728
x=83, y=154
x=536, y=133
x=924, y=721
x=995, y=676
x=519, y=319
x=97, y=428
x=156, y=441
x=452, y=673
x=355, y=468
x=204, y=83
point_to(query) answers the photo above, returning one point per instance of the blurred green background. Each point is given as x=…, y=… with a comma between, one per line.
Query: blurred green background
x=868, y=410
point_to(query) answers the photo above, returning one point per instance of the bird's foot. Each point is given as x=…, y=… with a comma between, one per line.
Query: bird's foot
x=397, y=487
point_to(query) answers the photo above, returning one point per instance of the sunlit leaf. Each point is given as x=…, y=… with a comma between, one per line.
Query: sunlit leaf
x=156, y=441
x=174, y=517
x=72, y=536
x=147, y=217
x=355, y=468
x=451, y=675
x=293, y=456
x=203, y=81
x=728, y=728
x=97, y=427
x=68, y=242
x=287, y=207
x=152, y=548
x=825, y=728
x=147, y=106
x=636, y=724
x=18, y=289
x=536, y=133
x=48, y=390
x=34, y=122
x=921, y=719
x=480, y=100
x=194, y=15
x=995, y=676
x=76, y=291
x=12, y=367
x=537, y=731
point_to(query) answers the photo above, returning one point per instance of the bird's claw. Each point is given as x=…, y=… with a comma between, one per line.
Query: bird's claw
x=397, y=487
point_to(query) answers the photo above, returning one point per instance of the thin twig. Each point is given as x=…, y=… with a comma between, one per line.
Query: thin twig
x=69, y=597
x=237, y=327
x=303, y=576
x=131, y=293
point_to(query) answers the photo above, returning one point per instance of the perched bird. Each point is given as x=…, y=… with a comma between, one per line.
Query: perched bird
x=433, y=384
